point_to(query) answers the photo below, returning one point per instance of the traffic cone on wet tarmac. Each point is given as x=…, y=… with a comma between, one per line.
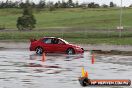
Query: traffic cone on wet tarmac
x=84, y=73
x=84, y=80
x=43, y=57
x=92, y=58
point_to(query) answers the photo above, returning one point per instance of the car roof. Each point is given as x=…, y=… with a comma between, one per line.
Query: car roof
x=54, y=37
x=57, y=38
x=50, y=37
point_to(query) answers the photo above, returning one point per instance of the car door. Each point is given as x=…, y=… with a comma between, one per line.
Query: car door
x=48, y=45
x=60, y=46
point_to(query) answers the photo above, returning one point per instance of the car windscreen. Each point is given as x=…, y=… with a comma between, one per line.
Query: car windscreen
x=64, y=41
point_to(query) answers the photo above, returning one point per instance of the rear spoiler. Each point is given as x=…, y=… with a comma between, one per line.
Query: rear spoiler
x=32, y=40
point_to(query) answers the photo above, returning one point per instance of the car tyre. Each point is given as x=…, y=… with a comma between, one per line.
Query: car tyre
x=39, y=50
x=82, y=49
x=70, y=51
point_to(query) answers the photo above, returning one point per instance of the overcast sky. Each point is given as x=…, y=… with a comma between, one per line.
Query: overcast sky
x=125, y=2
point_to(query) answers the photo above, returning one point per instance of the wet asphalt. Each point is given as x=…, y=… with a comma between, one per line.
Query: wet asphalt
x=24, y=69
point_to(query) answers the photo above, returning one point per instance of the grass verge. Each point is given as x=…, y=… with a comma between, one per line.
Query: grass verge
x=74, y=37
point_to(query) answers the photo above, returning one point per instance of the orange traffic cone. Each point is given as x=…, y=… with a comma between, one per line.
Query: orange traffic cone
x=43, y=57
x=93, y=59
x=86, y=74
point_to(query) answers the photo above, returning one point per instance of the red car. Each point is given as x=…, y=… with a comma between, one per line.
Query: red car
x=54, y=45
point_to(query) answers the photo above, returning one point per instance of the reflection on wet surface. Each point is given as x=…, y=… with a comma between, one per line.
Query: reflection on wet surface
x=25, y=69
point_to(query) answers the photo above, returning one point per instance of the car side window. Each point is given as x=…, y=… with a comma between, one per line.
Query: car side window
x=54, y=41
x=47, y=41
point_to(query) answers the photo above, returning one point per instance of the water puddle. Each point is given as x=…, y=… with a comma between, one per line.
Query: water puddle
x=25, y=69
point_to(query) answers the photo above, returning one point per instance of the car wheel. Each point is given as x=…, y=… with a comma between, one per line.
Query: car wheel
x=82, y=49
x=70, y=51
x=39, y=50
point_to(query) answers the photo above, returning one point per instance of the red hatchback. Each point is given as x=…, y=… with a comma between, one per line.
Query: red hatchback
x=54, y=45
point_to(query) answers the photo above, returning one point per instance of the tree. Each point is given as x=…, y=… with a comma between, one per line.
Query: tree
x=8, y=4
x=105, y=6
x=111, y=4
x=130, y=5
x=64, y=4
x=21, y=5
x=56, y=5
x=27, y=20
x=76, y=4
x=41, y=4
x=70, y=3
x=50, y=6
x=93, y=5
x=96, y=5
x=59, y=4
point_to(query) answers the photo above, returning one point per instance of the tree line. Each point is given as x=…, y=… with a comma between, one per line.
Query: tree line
x=60, y=4
x=28, y=21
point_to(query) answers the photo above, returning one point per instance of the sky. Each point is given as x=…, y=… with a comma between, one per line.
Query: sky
x=118, y=2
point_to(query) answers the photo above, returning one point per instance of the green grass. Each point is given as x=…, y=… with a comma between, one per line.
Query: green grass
x=109, y=41
x=87, y=26
x=77, y=17
x=79, y=37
